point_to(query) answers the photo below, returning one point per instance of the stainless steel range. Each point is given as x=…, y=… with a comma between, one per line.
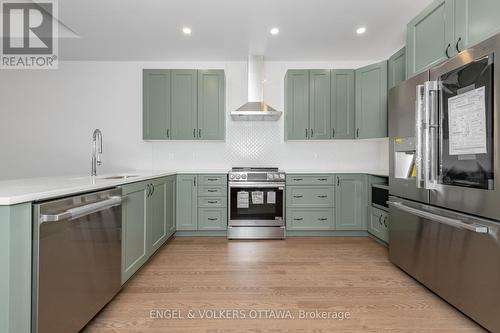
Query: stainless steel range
x=256, y=207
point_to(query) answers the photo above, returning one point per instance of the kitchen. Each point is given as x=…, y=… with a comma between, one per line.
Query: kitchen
x=139, y=187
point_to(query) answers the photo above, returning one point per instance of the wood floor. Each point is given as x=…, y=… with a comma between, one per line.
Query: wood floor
x=263, y=280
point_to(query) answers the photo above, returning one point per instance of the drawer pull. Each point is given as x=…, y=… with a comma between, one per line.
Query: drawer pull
x=297, y=196
x=212, y=219
x=299, y=219
x=298, y=179
x=212, y=202
x=322, y=196
x=322, y=179
x=212, y=191
x=212, y=179
x=322, y=219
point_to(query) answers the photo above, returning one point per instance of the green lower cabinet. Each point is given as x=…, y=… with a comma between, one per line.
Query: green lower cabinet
x=351, y=196
x=310, y=196
x=15, y=259
x=378, y=224
x=212, y=191
x=157, y=214
x=310, y=219
x=135, y=236
x=187, y=203
x=212, y=219
x=171, y=203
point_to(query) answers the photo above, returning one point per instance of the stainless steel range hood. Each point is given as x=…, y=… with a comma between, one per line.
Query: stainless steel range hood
x=255, y=109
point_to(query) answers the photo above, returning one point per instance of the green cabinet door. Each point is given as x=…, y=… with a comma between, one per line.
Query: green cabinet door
x=309, y=219
x=430, y=36
x=397, y=68
x=297, y=104
x=171, y=200
x=157, y=214
x=342, y=104
x=212, y=219
x=211, y=115
x=187, y=203
x=351, y=202
x=184, y=92
x=319, y=104
x=156, y=104
x=475, y=21
x=135, y=235
x=371, y=101
x=378, y=224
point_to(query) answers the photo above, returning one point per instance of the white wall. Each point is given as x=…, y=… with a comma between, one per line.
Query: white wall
x=47, y=118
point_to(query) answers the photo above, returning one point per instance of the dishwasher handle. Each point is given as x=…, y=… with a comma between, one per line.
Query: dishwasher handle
x=74, y=213
x=481, y=229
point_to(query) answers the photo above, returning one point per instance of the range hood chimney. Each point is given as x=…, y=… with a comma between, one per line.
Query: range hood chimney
x=255, y=109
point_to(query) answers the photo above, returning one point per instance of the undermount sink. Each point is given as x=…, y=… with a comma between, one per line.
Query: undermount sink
x=119, y=177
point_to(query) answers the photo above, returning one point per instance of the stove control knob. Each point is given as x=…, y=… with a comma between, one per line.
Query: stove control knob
x=243, y=176
x=231, y=176
x=237, y=176
x=270, y=176
x=282, y=176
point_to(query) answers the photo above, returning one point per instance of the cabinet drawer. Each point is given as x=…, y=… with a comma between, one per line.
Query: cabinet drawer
x=309, y=179
x=310, y=197
x=378, y=224
x=212, y=180
x=212, y=191
x=212, y=202
x=317, y=219
x=212, y=219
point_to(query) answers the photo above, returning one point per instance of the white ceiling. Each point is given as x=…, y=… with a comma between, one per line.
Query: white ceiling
x=225, y=30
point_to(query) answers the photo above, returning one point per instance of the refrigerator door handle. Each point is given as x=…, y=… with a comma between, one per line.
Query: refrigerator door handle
x=429, y=158
x=419, y=130
x=477, y=228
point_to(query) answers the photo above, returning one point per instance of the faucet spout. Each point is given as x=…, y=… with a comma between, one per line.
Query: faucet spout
x=96, y=151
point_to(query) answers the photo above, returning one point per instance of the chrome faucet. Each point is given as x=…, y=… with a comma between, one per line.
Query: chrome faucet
x=96, y=151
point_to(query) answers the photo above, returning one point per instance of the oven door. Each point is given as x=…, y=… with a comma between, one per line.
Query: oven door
x=462, y=133
x=256, y=204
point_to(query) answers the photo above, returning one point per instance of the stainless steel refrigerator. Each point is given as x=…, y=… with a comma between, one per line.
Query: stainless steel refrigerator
x=444, y=128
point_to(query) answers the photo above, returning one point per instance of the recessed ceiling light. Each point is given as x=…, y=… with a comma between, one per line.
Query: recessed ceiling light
x=274, y=31
x=186, y=30
x=361, y=30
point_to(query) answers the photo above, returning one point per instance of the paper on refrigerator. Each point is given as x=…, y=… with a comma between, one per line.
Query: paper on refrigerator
x=242, y=200
x=257, y=197
x=467, y=123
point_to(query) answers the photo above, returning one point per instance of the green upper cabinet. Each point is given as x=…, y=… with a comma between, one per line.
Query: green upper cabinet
x=211, y=115
x=184, y=122
x=371, y=101
x=342, y=104
x=430, y=37
x=319, y=105
x=187, y=203
x=156, y=104
x=351, y=202
x=397, y=68
x=475, y=20
x=297, y=104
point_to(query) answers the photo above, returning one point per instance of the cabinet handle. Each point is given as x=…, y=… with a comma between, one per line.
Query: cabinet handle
x=322, y=219
x=333, y=132
x=457, y=47
x=322, y=196
x=379, y=220
x=299, y=219
x=212, y=202
x=385, y=221
x=312, y=132
x=212, y=191
x=446, y=52
x=307, y=133
x=148, y=190
x=297, y=196
x=199, y=133
x=168, y=133
x=212, y=179
x=322, y=179
x=338, y=181
x=212, y=219
x=194, y=181
x=357, y=132
x=298, y=179
x=194, y=133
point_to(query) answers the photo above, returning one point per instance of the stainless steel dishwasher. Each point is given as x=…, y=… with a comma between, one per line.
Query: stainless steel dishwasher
x=76, y=259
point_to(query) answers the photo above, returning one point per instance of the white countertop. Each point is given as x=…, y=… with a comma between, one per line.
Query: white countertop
x=17, y=191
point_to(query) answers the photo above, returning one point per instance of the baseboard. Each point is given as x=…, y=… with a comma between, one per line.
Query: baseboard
x=201, y=233
x=289, y=233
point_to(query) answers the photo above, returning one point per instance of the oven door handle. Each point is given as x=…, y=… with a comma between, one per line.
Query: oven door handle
x=280, y=186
